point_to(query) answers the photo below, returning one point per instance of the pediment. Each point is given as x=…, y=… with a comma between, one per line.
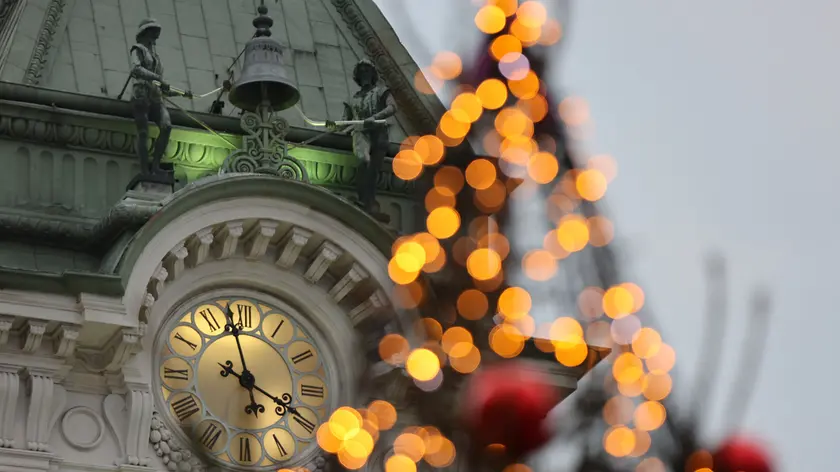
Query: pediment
x=77, y=46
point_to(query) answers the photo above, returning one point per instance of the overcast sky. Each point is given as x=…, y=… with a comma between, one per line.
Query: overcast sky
x=724, y=117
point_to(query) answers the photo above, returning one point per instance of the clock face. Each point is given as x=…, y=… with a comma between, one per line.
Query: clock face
x=244, y=381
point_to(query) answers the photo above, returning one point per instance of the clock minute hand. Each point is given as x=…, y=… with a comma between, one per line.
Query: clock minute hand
x=235, y=330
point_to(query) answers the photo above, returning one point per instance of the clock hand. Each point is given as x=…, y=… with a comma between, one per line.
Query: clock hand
x=283, y=402
x=246, y=380
x=235, y=329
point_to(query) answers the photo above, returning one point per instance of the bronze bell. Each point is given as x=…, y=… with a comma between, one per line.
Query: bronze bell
x=263, y=78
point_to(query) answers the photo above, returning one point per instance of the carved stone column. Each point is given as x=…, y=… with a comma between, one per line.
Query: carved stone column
x=9, y=392
x=46, y=400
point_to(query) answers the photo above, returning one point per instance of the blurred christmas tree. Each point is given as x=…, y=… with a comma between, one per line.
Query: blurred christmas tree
x=516, y=274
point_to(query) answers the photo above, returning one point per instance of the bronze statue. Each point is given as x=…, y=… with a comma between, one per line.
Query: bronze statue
x=370, y=140
x=147, y=95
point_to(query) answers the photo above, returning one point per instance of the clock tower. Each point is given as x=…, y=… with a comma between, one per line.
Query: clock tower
x=211, y=318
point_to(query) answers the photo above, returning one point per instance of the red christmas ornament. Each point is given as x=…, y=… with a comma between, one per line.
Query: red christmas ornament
x=507, y=404
x=740, y=454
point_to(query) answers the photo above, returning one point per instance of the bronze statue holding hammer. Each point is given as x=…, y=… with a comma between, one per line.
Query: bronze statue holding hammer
x=371, y=105
x=148, y=93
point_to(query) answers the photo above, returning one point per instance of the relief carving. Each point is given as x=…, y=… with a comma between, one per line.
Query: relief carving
x=43, y=44
x=170, y=450
x=76, y=431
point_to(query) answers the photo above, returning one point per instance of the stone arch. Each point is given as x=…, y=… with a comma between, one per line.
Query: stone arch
x=288, y=240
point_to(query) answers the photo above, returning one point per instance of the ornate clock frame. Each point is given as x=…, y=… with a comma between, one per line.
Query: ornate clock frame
x=314, y=328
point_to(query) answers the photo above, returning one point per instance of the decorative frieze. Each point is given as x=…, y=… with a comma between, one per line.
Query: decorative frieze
x=227, y=239
x=116, y=353
x=348, y=282
x=291, y=246
x=199, y=247
x=126, y=343
x=5, y=328
x=324, y=258
x=174, y=263
x=64, y=340
x=259, y=238
x=372, y=305
x=158, y=279
x=33, y=335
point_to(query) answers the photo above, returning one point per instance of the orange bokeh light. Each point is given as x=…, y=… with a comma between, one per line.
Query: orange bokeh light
x=407, y=164
x=572, y=233
x=472, y=304
x=505, y=44
x=446, y=65
x=532, y=14
x=539, y=265
x=490, y=19
x=484, y=264
x=480, y=174
x=430, y=148
x=543, y=167
x=466, y=107
x=514, y=303
x=526, y=87
x=492, y=93
x=591, y=184
x=443, y=222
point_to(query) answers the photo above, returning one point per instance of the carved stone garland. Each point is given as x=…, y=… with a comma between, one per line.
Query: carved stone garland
x=166, y=446
x=264, y=147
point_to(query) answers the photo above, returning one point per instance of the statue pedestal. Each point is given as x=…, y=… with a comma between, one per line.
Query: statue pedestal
x=157, y=185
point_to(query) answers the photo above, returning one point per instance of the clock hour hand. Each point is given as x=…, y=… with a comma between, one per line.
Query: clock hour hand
x=283, y=402
x=235, y=329
x=246, y=380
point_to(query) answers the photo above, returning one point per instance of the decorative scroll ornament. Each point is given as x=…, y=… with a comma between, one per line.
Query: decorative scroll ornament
x=264, y=148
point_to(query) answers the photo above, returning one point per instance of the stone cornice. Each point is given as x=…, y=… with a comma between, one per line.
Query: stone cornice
x=68, y=129
x=192, y=149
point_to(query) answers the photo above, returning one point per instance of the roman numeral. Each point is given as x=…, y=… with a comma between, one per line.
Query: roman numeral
x=277, y=328
x=305, y=423
x=210, y=319
x=244, y=449
x=188, y=343
x=244, y=312
x=210, y=435
x=312, y=391
x=279, y=446
x=176, y=374
x=302, y=356
x=185, y=407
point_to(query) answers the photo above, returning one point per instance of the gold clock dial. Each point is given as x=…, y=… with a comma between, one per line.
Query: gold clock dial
x=279, y=444
x=229, y=398
x=244, y=381
x=246, y=449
